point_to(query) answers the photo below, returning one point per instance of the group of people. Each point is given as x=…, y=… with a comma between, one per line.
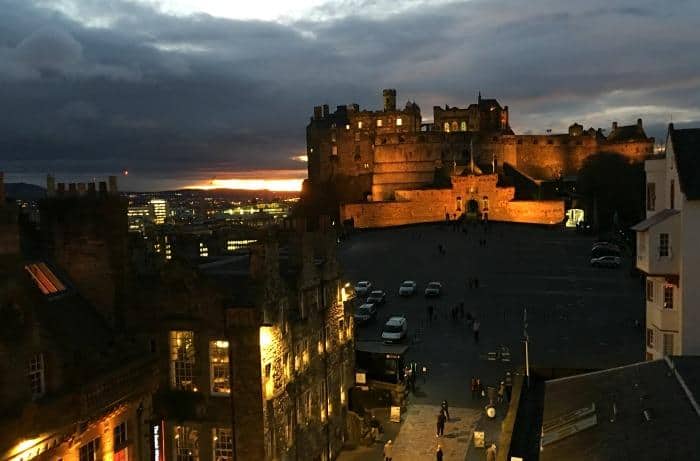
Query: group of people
x=503, y=391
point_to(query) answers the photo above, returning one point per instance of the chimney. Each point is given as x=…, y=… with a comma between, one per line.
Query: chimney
x=318, y=112
x=389, y=99
x=2, y=189
x=113, y=185
x=326, y=110
x=639, y=122
x=614, y=126
x=50, y=186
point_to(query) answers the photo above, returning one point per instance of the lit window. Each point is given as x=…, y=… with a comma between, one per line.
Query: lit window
x=36, y=376
x=223, y=444
x=219, y=367
x=650, y=290
x=89, y=451
x=399, y=121
x=446, y=127
x=233, y=245
x=454, y=126
x=335, y=150
x=341, y=330
x=347, y=127
x=182, y=360
x=463, y=126
x=668, y=296
x=328, y=337
x=379, y=122
x=663, y=244
x=203, y=250
x=359, y=125
x=120, y=441
x=186, y=444
x=650, y=337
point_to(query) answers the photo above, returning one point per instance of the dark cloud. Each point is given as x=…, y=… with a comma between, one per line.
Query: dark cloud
x=96, y=88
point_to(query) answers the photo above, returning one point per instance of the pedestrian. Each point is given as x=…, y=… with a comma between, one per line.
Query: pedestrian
x=501, y=391
x=424, y=372
x=445, y=409
x=374, y=425
x=475, y=329
x=388, y=449
x=438, y=453
x=480, y=388
x=440, y=424
x=491, y=453
x=474, y=388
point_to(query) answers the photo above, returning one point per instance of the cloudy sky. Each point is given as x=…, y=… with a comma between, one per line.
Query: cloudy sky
x=180, y=91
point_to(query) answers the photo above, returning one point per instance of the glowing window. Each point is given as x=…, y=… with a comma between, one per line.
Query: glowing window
x=359, y=125
x=446, y=127
x=182, y=360
x=186, y=444
x=454, y=126
x=233, y=245
x=463, y=126
x=120, y=436
x=36, y=376
x=89, y=451
x=223, y=444
x=219, y=368
x=203, y=250
x=379, y=122
x=347, y=127
x=45, y=279
x=335, y=150
x=399, y=121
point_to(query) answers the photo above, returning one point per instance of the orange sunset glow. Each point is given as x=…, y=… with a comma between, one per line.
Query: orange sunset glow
x=275, y=180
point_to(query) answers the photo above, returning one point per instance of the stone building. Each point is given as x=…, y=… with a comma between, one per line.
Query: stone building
x=73, y=387
x=367, y=156
x=667, y=252
x=256, y=350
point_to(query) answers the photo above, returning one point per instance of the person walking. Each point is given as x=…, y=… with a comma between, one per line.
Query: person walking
x=440, y=424
x=475, y=329
x=388, y=450
x=480, y=388
x=501, y=391
x=445, y=409
x=491, y=453
x=474, y=388
x=438, y=453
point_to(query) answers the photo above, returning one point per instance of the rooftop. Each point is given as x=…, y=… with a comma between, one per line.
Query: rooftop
x=651, y=221
x=646, y=410
x=686, y=147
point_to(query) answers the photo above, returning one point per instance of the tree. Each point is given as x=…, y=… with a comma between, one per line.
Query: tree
x=612, y=184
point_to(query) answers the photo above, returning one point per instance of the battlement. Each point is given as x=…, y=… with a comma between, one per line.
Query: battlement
x=72, y=189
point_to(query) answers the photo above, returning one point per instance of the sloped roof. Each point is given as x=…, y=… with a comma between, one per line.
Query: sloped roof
x=642, y=411
x=686, y=146
x=627, y=133
x=651, y=221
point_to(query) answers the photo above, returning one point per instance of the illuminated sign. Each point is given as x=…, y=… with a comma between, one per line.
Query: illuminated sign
x=157, y=443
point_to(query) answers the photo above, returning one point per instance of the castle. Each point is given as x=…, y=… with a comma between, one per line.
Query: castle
x=376, y=161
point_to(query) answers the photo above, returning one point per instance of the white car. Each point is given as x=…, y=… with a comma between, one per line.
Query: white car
x=395, y=329
x=433, y=289
x=363, y=287
x=407, y=288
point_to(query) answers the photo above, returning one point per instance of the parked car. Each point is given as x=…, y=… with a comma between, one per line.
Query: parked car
x=606, y=245
x=365, y=313
x=606, y=261
x=433, y=289
x=605, y=249
x=395, y=329
x=584, y=227
x=376, y=297
x=407, y=288
x=363, y=287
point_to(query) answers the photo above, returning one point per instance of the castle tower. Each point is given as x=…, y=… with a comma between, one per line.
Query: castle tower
x=389, y=99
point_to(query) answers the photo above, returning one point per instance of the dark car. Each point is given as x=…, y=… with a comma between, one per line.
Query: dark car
x=376, y=297
x=365, y=314
x=606, y=261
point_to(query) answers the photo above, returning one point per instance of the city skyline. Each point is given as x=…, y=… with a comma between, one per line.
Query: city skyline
x=179, y=93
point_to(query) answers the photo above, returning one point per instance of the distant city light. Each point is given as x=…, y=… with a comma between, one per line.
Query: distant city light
x=302, y=158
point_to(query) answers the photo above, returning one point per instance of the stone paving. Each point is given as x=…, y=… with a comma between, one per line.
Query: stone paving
x=417, y=441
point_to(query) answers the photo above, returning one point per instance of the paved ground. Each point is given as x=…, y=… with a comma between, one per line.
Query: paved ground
x=578, y=317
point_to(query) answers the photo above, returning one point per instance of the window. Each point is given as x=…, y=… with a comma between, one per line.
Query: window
x=446, y=127
x=651, y=196
x=663, y=244
x=341, y=330
x=650, y=290
x=333, y=136
x=334, y=150
x=182, y=356
x=203, y=250
x=668, y=296
x=463, y=126
x=359, y=125
x=121, y=455
x=186, y=444
x=285, y=365
x=668, y=343
x=399, y=121
x=298, y=354
x=36, y=376
x=673, y=193
x=89, y=451
x=219, y=368
x=329, y=341
x=650, y=337
x=347, y=127
x=233, y=245
x=379, y=122
x=120, y=436
x=223, y=444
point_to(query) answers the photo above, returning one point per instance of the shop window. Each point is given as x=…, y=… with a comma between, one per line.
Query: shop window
x=186, y=444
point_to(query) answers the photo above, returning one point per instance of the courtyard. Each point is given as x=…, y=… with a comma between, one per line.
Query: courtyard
x=578, y=317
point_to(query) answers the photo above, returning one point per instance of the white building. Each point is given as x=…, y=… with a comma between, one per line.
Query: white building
x=668, y=247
